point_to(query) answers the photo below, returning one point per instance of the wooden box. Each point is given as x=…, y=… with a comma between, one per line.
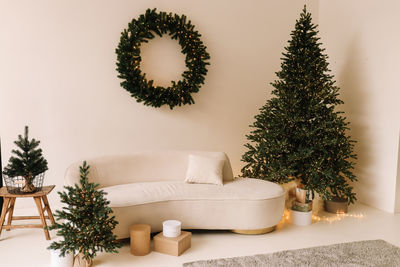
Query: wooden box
x=174, y=246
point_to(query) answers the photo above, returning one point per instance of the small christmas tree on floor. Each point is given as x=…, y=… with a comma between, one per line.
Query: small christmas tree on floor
x=87, y=226
x=27, y=163
x=298, y=133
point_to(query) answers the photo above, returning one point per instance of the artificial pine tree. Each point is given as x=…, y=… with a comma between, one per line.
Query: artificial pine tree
x=299, y=134
x=87, y=225
x=28, y=162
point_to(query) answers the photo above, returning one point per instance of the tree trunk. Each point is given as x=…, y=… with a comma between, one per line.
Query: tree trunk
x=28, y=187
x=79, y=261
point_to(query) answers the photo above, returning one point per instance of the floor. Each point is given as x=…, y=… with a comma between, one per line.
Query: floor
x=27, y=247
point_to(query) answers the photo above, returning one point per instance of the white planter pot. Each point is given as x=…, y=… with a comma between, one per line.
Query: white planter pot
x=301, y=218
x=58, y=261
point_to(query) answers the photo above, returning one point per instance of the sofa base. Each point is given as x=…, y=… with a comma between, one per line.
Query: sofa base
x=255, y=231
x=236, y=231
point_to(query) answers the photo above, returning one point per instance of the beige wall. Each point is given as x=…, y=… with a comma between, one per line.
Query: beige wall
x=57, y=74
x=362, y=40
x=397, y=197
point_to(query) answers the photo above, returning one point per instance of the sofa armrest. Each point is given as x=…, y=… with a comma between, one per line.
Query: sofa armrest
x=72, y=175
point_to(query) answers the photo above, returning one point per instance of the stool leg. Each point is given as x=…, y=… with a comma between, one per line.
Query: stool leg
x=47, y=207
x=3, y=212
x=10, y=213
x=40, y=209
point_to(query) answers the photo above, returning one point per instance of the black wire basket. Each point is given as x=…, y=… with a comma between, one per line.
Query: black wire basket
x=15, y=184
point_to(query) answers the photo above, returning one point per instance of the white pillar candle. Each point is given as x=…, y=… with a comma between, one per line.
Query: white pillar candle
x=172, y=228
x=59, y=261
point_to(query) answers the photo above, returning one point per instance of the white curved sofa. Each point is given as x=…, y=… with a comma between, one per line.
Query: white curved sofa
x=150, y=187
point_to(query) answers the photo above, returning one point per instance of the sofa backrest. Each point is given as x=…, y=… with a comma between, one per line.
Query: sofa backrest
x=141, y=167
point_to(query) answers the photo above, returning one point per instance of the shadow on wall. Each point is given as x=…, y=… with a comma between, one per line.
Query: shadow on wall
x=352, y=91
x=397, y=196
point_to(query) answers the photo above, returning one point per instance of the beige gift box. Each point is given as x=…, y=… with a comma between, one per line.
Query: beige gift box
x=174, y=246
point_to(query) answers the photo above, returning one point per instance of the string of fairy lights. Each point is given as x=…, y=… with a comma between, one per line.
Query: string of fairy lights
x=85, y=223
x=331, y=218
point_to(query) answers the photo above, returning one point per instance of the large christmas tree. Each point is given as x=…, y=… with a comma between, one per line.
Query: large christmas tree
x=85, y=222
x=299, y=133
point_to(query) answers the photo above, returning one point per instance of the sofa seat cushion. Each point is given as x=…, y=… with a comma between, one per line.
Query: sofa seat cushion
x=149, y=192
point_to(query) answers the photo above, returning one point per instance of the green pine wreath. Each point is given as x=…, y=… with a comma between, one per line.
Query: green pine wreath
x=128, y=59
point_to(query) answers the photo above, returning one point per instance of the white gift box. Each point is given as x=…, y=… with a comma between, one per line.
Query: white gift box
x=172, y=228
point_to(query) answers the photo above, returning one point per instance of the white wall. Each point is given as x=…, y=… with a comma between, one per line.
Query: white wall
x=57, y=75
x=362, y=40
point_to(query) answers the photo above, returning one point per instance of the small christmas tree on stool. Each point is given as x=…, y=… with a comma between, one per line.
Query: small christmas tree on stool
x=298, y=133
x=87, y=226
x=28, y=163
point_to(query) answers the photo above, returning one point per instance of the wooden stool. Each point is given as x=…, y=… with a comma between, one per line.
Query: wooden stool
x=8, y=207
x=140, y=239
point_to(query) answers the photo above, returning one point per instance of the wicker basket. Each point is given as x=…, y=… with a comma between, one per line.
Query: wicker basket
x=15, y=184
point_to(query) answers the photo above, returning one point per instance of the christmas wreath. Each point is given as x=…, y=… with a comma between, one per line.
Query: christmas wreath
x=128, y=59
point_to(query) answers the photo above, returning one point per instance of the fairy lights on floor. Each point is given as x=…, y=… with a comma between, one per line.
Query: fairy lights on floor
x=337, y=217
x=329, y=218
x=286, y=216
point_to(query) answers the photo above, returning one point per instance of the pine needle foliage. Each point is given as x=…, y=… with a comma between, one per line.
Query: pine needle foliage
x=298, y=132
x=85, y=222
x=28, y=160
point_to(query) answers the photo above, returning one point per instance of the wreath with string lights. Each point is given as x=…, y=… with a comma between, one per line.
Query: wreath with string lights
x=128, y=59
